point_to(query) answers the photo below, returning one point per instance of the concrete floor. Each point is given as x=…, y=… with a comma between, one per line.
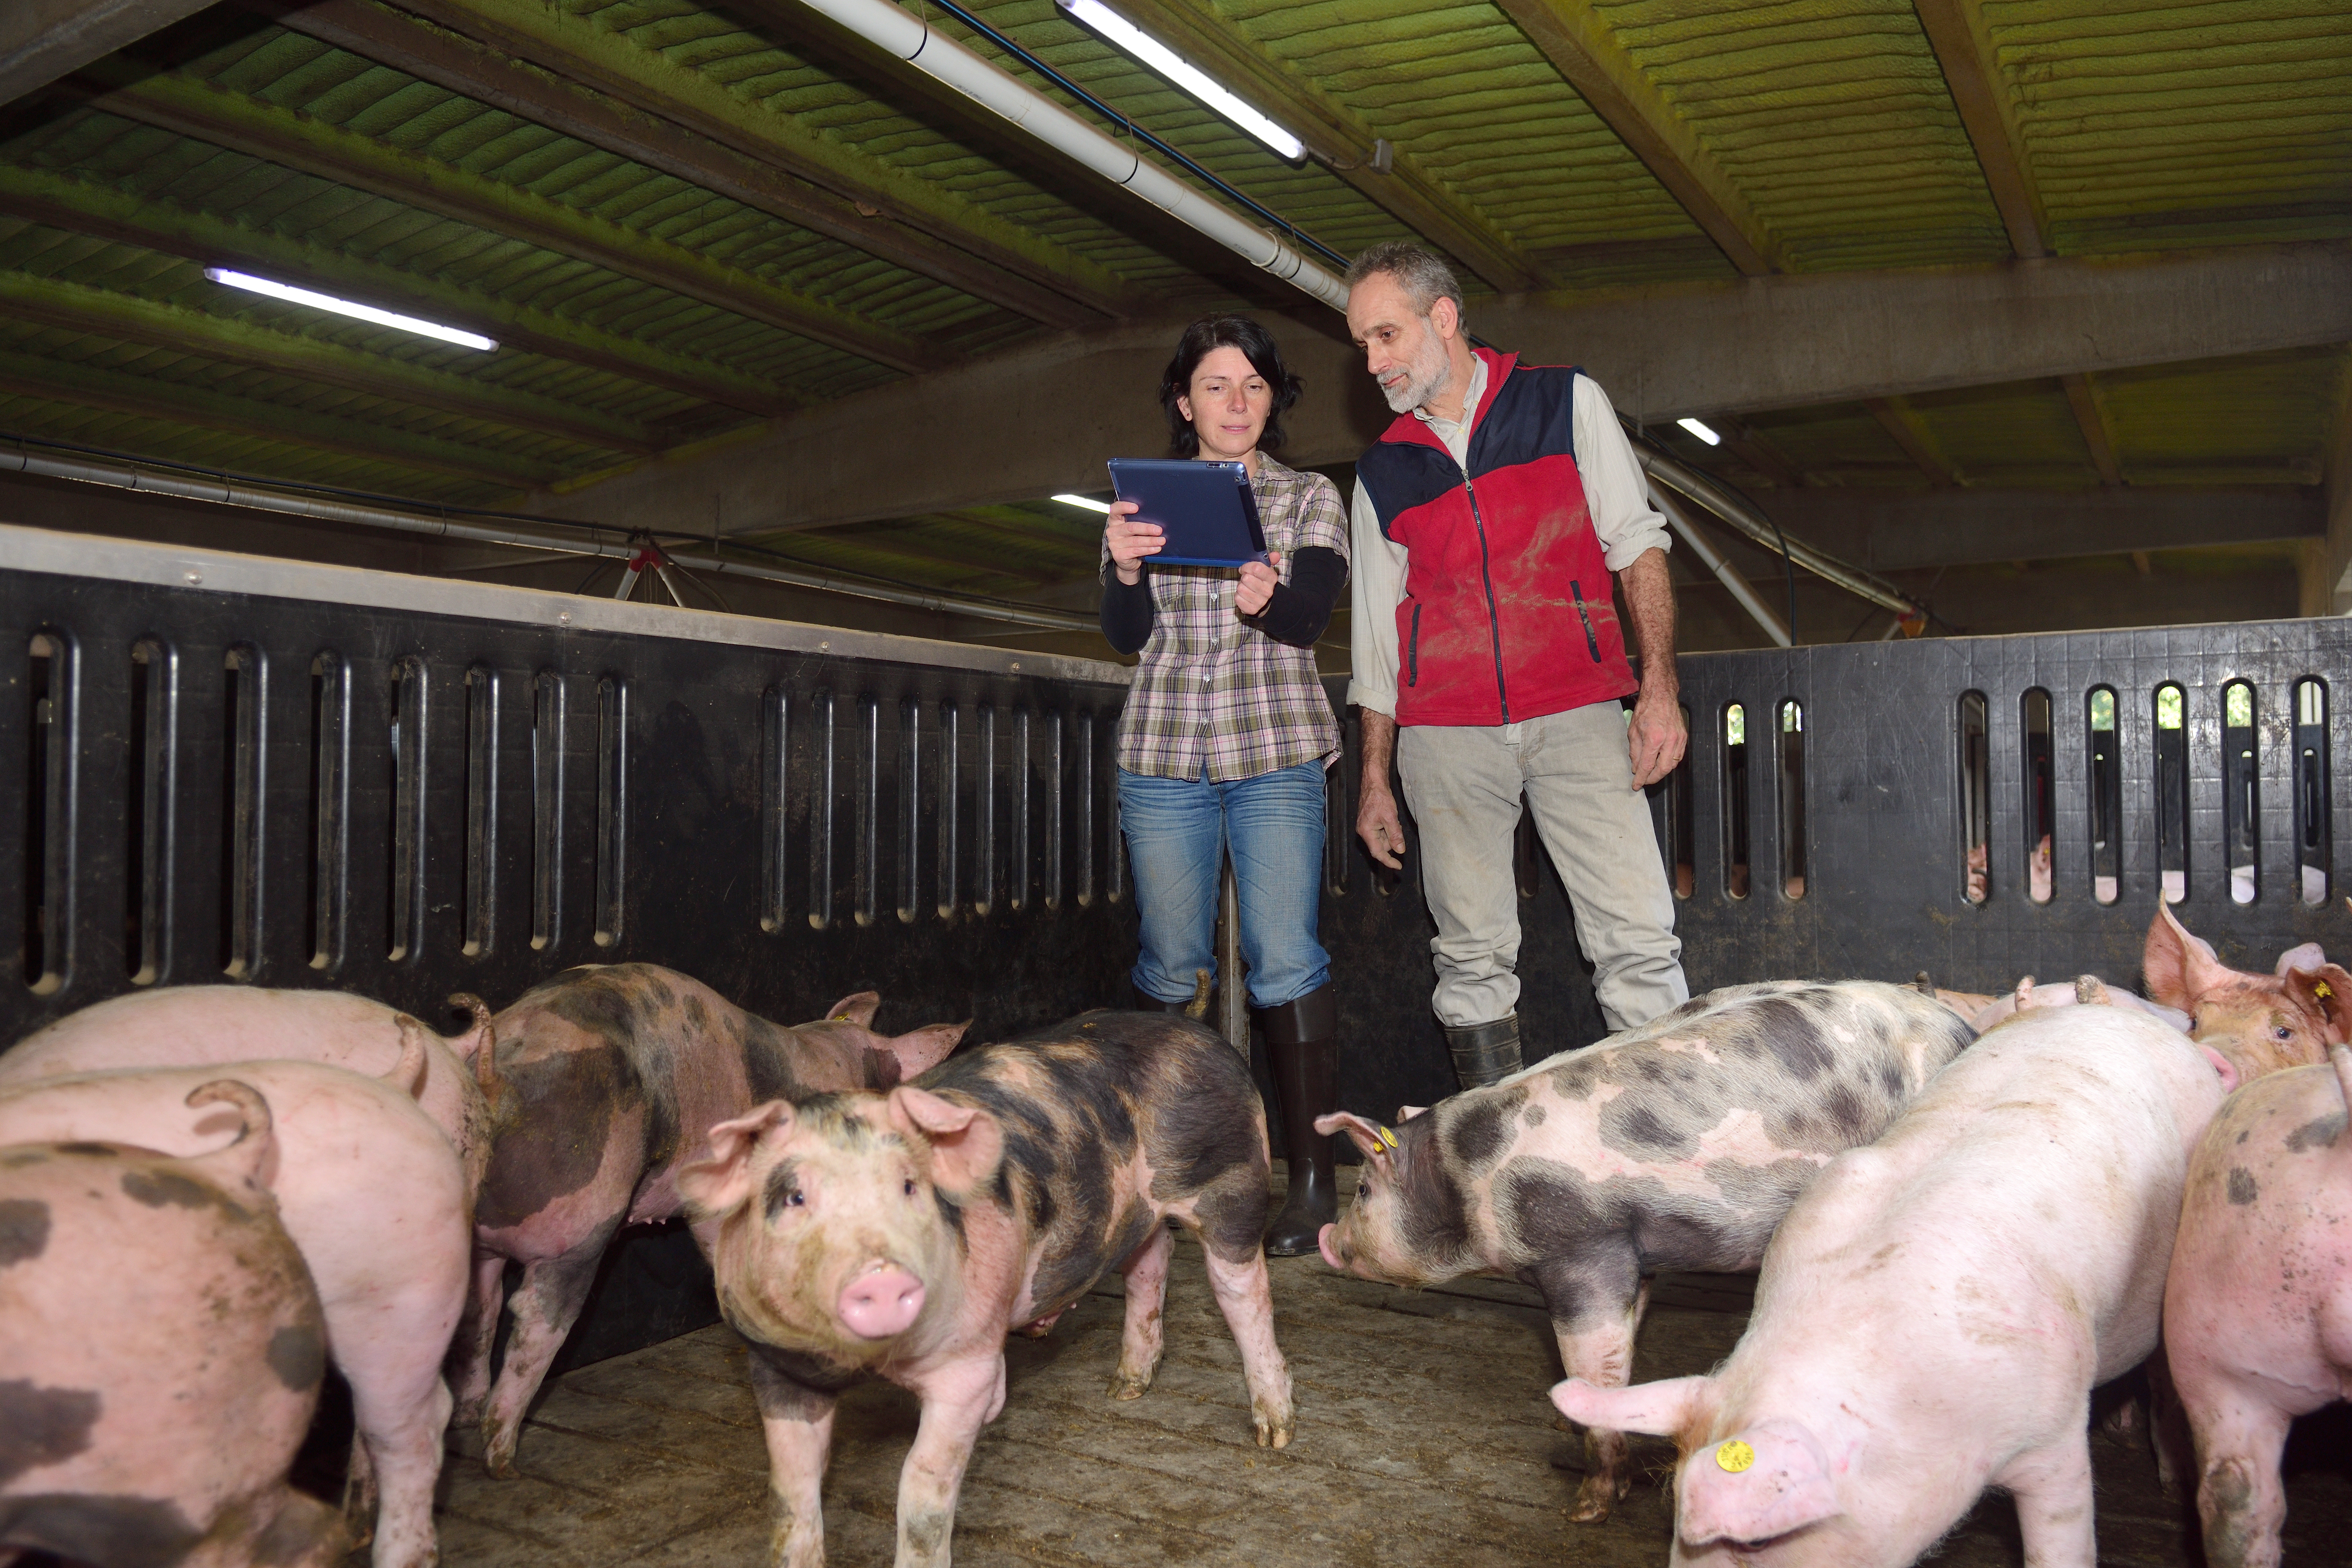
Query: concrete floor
x=1425, y=1438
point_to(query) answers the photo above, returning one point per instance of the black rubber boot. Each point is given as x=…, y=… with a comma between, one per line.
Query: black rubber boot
x=1303, y=1047
x=1485, y=1053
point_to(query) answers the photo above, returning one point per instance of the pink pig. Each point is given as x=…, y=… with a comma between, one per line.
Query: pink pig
x=2258, y=1308
x=371, y=1193
x=160, y=1351
x=1934, y=1311
x=2260, y=1022
x=607, y=1078
x=193, y=1025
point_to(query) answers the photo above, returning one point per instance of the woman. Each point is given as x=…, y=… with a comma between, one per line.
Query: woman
x=1226, y=735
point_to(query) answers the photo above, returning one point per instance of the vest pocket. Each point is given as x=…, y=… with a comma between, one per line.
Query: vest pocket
x=1591, y=643
x=1413, y=650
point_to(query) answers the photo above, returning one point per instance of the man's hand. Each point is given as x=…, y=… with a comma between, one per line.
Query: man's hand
x=1130, y=543
x=1376, y=813
x=1257, y=585
x=1657, y=738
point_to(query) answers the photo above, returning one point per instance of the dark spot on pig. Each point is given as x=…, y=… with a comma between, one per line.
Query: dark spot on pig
x=951, y=1213
x=810, y=1371
x=656, y=993
x=783, y=1185
x=1635, y=1127
x=1649, y=1068
x=42, y=1426
x=120, y=1532
x=157, y=1188
x=16, y=1159
x=1846, y=1114
x=697, y=1016
x=299, y=1356
x=23, y=1229
x=767, y=1062
x=1477, y=1129
x=97, y=1150
x=1535, y=1116
x=2243, y=1189
x=1890, y=1079
x=1690, y=1009
x=2319, y=1133
x=1574, y=1079
x=558, y=1113
x=923, y=1533
x=1793, y=1033
x=1209, y=1134
x=1433, y=1219
x=2229, y=1538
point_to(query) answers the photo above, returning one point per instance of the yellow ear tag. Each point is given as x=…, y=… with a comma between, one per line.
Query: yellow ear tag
x=2322, y=990
x=1733, y=1454
x=1389, y=1139
x=841, y=1018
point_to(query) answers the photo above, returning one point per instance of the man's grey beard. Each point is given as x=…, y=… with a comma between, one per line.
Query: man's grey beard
x=1424, y=377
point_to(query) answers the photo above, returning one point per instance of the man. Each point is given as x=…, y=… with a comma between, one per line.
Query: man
x=1487, y=522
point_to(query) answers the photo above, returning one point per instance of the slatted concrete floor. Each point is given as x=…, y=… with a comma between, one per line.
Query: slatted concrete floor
x=1425, y=1438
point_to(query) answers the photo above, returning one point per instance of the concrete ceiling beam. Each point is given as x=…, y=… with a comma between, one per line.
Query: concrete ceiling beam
x=1957, y=31
x=1043, y=418
x=2084, y=399
x=1338, y=138
x=303, y=142
x=225, y=340
x=1902, y=422
x=1578, y=43
x=43, y=40
x=81, y=207
x=597, y=87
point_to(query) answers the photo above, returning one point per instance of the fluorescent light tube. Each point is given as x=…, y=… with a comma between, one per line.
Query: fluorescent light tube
x=1701, y=431
x=1086, y=502
x=1118, y=31
x=348, y=307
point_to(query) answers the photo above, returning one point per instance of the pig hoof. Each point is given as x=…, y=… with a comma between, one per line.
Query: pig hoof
x=1129, y=1385
x=1595, y=1498
x=1273, y=1431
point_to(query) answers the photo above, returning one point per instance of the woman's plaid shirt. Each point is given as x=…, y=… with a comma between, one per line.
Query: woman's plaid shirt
x=1212, y=690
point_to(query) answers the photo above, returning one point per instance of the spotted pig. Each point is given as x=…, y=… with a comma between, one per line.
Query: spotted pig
x=608, y=1076
x=1678, y=1144
x=2258, y=1303
x=161, y=1352
x=2262, y=1023
x=904, y=1234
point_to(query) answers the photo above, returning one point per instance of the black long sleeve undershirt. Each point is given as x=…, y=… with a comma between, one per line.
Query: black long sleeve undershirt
x=1296, y=614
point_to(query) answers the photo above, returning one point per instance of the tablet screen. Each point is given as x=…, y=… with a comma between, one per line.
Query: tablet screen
x=1205, y=511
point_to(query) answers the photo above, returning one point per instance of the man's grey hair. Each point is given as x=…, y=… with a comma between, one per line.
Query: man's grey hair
x=1425, y=279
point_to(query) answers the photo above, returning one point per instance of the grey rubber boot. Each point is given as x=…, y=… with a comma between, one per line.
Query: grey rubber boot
x=1485, y=1053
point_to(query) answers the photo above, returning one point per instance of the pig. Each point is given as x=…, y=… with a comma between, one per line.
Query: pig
x=372, y=1196
x=161, y=1352
x=2260, y=1022
x=2258, y=1306
x=1676, y=1144
x=190, y=1025
x=1936, y=1309
x=2088, y=988
x=905, y=1232
x=608, y=1075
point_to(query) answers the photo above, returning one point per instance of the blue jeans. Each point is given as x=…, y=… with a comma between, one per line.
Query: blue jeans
x=1176, y=832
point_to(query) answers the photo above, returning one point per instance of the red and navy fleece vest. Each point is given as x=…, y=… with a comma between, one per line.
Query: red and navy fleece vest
x=1508, y=613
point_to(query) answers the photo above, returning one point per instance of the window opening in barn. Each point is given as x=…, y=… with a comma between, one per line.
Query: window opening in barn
x=825, y=754
x=2241, y=794
x=1057, y=781
x=1976, y=797
x=44, y=817
x=245, y=707
x=155, y=706
x=1680, y=814
x=2105, y=784
x=983, y=814
x=1338, y=826
x=866, y=869
x=2041, y=803
x=1018, y=893
x=2312, y=834
x=1792, y=799
x=1735, y=800
x=2172, y=791
x=331, y=802
x=480, y=898
x=1082, y=791
x=951, y=809
x=548, y=720
x=612, y=808
x=910, y=804
x=405, y=883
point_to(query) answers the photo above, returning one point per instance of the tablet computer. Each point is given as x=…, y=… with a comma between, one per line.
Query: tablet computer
x=1205, y=509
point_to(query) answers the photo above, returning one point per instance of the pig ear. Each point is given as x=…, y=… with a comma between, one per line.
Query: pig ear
x=718, y=1185
x=857, y=1008
x=1759, y=1483
x=2310, y=955
x=966, y=1143
x=1662, y=1409
x=1407, y=1112
x=1372, y=1141
x=922, y=1049
x=2326, y=991
x=2223, y=1065
x=2179, y=967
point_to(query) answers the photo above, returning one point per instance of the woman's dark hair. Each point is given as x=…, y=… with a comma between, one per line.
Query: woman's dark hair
x=1257, y=346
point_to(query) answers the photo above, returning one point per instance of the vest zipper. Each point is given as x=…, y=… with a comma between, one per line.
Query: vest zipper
x=1591, y=643
x=1412, y=649
x=1487, y=575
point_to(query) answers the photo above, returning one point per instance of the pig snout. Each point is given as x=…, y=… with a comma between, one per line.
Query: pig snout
x=881, y=1303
